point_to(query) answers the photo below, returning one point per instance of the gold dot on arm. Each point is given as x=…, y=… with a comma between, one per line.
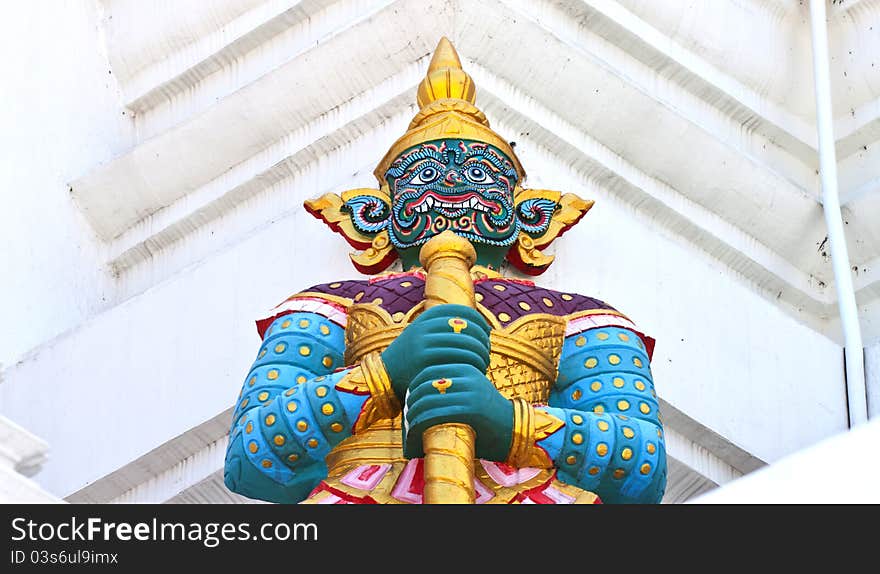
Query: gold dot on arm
x=580, y=341
x=279, y=440
x=305, y=351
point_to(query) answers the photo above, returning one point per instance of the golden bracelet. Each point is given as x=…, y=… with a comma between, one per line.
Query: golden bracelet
x=523, y=433
x=376, y=377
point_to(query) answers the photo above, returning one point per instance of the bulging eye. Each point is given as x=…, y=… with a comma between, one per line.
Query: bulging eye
x=476, y=174
x=425, y=176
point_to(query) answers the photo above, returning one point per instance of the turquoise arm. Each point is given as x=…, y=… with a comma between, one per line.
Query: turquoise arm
x=612, y=440
x=289, y=414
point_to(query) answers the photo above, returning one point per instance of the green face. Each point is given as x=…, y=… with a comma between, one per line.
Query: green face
x=463, y=186
x=460, y=185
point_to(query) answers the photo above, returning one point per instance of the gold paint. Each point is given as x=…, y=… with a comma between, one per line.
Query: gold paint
x=305, y=351
x=591, y=363
x=567, y=297
x=321, y=391
x=503, y=317
x=626, y=453
x=594, y=470
x=640, y=385
x=644, y=408
x=406, y=284
x=618, y=382
x=614, y=359
x=622, y=405
x=313, y=443
x=335, y=285
x=320, y=378
x=478, y=297
x=576, y=395
x=601, y=449
x=603, y=426
x=304, y=323
x=458, y=324
x=249, y=428
x=279, y=440
x=622, y=417
x=499, y=287
x=628, y=432
x=293, y=457
x=637, y=362
x=291, y=406
x=359, y=296
x=252, y=381
x=327, y=361
x=244, y=403
x=327, y=409
x=285, y=324
x=596, y=386
x=449, y=448
x=280, y=347
x=598, y=409
x=651, y=448
x=325, y=330
x=266, y=463
x=659, y=433
x=580, y=341
x=253, y=447
x=336, y=427
x=269, y=420
x=577, y=419
x=301, y=379
x=602, y=336
x=272, y=374
x=547, y=302
x=525, y=306
x=263, y=396
x=645, y=468
x=619, y=473
x=571, y=459
x=577, y=438
x=302, y=425
x=398, y=317
x=262, y=354
x=623, y=337
x=441, y=385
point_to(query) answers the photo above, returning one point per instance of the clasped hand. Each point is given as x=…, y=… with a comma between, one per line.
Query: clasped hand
x=437, y=368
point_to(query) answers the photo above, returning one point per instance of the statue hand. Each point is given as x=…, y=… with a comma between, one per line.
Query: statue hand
x=458, y=393
x=441, y=335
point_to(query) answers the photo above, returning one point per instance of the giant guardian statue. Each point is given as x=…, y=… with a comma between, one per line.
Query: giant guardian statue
x=448, y=382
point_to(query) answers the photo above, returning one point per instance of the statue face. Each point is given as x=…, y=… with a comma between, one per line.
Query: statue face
x=452, y=184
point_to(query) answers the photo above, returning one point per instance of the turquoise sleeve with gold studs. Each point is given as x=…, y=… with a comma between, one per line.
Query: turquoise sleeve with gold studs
x=612, y=439
x=289, y=414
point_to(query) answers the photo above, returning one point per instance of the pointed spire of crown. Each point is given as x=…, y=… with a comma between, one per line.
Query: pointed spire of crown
x=445, y=78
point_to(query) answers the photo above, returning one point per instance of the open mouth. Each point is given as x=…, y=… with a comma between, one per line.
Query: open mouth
x=452, y=202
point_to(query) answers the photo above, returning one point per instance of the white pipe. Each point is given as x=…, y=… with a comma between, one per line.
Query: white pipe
x=846, y=297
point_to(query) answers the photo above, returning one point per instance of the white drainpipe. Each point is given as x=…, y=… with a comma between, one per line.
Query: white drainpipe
x=846, y=297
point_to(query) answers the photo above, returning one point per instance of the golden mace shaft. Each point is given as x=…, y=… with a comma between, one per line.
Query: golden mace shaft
x=449, y=448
